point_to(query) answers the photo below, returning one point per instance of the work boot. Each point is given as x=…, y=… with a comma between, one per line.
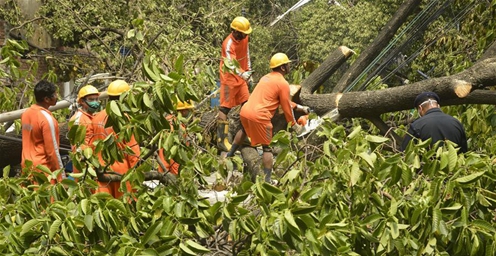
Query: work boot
x=222, y=132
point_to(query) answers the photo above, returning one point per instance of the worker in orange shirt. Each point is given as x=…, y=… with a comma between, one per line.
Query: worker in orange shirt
x=172, y=166
x=233, y=84
x=89, y=104
x=40, y=131
x=100, y=132
x=256, y=114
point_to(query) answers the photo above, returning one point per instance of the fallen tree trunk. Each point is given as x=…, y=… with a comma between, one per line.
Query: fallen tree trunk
x=462, y=88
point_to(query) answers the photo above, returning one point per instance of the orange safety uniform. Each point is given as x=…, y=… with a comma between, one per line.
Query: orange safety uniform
x=233, y=88
x=101, y=132
x=40, y=139
x=256, y=114
x=85, y=119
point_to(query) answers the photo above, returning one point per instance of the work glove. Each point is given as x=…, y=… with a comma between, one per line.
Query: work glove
x=250, y=83
x=246, y=75
x=304, y=109
x=298, y=129
x=303, y=120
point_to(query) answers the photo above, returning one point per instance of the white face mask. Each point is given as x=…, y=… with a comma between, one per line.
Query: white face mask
x=431, y=103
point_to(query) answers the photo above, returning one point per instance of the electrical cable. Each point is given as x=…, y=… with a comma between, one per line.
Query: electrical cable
x=410, y=58
x=391, y=44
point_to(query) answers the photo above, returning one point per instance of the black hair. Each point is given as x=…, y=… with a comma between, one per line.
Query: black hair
x=44, y=89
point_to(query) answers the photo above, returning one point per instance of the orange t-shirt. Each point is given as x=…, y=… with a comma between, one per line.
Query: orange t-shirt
x=271, y=91
x=40, y=138
x=85, y=119
x=235, y=50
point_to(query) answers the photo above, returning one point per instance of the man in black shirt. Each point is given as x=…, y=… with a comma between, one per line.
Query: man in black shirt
x=435, y=124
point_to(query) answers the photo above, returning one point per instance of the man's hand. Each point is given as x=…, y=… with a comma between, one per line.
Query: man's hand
x=298, y=129
x=246, y=75
x=304, y=109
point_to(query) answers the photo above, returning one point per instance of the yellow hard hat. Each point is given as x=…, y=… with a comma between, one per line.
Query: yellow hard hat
x=87, y=90
x=279, y=59
x=117, y=87
x=184, y=105
x=241, y=24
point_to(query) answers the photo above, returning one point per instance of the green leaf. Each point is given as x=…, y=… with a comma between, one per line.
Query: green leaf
x=470, y=178
x=395, y=233
x=376, y=139
x=196, y=247
x=355, y=173
x=354, y=132
x=372, y=218
x=293, y=174
x=116, y=205
x=451, y=209
x=88, y=222
x=239, y=198
x=57, y=251
x=6, y=171
x=453, y=157
x=299, y=210
x=88, y=152
x=436, y=218
x=84, y=205
x=54, y=228
x=131, y=33
x=29, y=225
x=393, y=208
x=178, y=66
x=151, y=231
x=115, y=108
x=290, y=220
x=189, y=221
x=369, y=158
x=147, y=101
x=275, y=191
x=483, y=225
x=186, y=249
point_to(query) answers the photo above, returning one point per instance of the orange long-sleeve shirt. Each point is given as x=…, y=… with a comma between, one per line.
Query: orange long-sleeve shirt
x=235, y=50
x=85, y=119
x=40, y=138
x=100, y=132
x=270, y=92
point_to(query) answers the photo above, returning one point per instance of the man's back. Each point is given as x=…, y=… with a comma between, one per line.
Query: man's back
x=40, y=133
x=439, y=126
x=271, y=91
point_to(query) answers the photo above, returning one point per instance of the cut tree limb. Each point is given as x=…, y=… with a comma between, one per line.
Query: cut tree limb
x=461, y=88
x=326, y=69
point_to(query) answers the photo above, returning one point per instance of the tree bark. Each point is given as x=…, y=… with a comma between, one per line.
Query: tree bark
x=379, y=43
x=461, y=88
x=326, y=69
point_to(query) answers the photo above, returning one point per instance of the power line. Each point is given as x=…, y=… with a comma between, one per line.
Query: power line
x=416, y=19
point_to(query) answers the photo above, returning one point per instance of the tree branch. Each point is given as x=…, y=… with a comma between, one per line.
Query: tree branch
x=373, y=50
